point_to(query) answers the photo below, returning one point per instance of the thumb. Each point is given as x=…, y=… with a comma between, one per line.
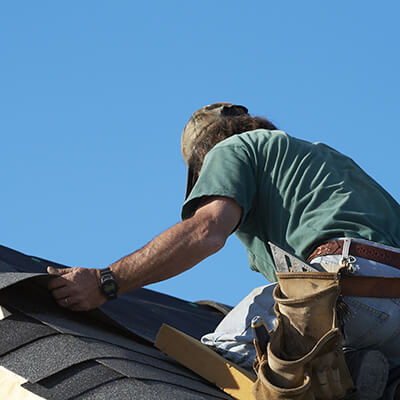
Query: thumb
x=57, y=271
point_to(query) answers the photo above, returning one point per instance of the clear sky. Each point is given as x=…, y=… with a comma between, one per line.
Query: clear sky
x=94, y=96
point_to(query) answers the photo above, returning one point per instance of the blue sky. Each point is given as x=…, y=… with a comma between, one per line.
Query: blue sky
x=94, y=96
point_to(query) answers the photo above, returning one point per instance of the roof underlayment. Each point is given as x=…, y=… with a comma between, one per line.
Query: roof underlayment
x=52, y=353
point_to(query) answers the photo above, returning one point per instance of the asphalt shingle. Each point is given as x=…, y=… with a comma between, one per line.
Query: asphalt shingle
x=107, y=353
x=73, y=381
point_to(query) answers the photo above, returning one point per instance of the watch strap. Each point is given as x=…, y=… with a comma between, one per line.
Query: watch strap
x=108, y=284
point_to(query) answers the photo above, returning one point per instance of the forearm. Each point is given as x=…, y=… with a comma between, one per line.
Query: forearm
x=171, y=253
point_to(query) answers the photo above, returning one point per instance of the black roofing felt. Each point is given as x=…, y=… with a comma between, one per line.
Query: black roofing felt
x=106, y=353
x=142, y=310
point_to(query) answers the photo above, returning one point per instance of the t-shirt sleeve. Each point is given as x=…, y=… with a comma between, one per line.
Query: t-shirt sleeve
x=228, y=170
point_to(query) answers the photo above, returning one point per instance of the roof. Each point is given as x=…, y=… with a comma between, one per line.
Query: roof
x=105, y=353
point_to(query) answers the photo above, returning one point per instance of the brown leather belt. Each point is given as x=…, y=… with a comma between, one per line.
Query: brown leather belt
x=369, y=286
x=358, y=250
x=364, y=286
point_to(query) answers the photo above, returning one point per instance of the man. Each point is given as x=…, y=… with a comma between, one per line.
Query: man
x=247, y=177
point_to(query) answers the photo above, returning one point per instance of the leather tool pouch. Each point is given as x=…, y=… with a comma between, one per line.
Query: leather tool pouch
x=304, y=357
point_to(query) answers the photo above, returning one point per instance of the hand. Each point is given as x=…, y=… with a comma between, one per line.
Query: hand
x=76, y=288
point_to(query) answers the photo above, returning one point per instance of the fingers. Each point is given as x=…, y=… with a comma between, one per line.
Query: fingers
x=57, y=271
x=78, y=307
x=74, y=304
x=66, y=302
x=61, y=293
x=76, y=288
x=68, y=297
x=56, y=283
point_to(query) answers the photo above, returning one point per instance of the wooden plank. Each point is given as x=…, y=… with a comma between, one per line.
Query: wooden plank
x=191, y=353
x=11, y=389
x=4, y=313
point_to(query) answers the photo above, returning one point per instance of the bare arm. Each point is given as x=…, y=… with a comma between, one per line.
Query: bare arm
x=180, y=247
x=172, y=252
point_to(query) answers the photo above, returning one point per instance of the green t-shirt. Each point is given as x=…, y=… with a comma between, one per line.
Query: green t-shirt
x=295, y=194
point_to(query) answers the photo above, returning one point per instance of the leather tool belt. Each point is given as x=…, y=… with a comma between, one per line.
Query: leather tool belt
x=364, y=286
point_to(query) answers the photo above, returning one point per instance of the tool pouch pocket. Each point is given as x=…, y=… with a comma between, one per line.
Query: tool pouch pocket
x=304, y=357
x=319, y=375
x=265, y=389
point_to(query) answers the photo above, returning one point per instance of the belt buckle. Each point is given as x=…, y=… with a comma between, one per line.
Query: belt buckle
x=347, y=263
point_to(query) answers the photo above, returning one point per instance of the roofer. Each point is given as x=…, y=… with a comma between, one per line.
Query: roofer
x=247, y=177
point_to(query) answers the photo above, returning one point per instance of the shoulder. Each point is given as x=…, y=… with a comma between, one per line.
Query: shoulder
x=253, y=138
x=253, y=145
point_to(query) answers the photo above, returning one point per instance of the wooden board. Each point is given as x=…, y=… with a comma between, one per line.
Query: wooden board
x=11, y=389
x=4, y=313
x=196, y=356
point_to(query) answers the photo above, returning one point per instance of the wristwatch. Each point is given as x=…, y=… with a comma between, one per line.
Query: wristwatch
x=108, y=284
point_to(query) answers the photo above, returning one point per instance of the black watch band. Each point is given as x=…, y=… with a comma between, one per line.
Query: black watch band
x=108, y=284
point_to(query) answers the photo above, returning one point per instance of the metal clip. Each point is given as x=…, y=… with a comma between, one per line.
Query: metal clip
x=347, y=262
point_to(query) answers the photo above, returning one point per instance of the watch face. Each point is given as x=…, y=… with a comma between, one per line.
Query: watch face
x=109, y=288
